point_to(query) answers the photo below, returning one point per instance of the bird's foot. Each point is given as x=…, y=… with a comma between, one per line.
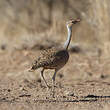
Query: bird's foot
x=48, y=87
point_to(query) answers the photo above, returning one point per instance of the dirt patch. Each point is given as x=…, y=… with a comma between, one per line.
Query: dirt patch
x=33, y=95
x=81, y=84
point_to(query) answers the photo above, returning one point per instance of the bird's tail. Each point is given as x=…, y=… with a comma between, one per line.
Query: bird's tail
x=33, y=68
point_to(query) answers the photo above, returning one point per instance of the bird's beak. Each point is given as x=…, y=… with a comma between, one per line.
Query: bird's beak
x=75, y=21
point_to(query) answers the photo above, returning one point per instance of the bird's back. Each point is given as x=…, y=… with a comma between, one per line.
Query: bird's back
x=51, y=59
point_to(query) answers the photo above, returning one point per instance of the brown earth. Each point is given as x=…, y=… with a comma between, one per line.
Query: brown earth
x=83, y=84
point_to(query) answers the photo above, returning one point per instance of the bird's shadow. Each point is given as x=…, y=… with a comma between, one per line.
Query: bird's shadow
x=88, y=98
x=96, y=96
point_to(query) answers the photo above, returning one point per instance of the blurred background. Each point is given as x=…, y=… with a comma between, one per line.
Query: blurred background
x=39, y=24
x=24, y=22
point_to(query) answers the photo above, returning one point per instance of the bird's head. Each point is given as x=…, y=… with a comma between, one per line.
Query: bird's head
x=71, y=22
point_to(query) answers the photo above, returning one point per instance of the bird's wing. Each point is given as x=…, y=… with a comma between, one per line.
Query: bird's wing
x=46, y=58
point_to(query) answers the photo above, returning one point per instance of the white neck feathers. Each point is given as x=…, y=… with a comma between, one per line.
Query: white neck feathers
x=68, y=37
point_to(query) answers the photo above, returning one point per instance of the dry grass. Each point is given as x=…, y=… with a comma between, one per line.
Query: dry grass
x=24, y=23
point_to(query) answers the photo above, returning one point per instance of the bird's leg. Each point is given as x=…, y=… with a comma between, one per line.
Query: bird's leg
x=53, y=78
x=44, y=78
x=53, y=81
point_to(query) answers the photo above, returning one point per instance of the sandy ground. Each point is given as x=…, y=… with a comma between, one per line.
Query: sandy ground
x=83, y=84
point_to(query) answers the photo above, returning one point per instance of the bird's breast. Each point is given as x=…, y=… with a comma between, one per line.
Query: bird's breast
x=61, y=58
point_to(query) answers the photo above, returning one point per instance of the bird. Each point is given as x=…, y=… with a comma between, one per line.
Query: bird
x=54, y=58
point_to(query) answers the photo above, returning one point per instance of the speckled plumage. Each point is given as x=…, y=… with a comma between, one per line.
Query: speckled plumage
x=51, y=59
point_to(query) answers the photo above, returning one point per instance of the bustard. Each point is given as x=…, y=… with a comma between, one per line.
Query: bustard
x=54, y=58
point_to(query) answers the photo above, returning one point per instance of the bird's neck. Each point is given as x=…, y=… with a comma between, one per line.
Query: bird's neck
x=68, y=37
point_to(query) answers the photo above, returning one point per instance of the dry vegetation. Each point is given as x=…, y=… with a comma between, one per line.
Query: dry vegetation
x=29, y=26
